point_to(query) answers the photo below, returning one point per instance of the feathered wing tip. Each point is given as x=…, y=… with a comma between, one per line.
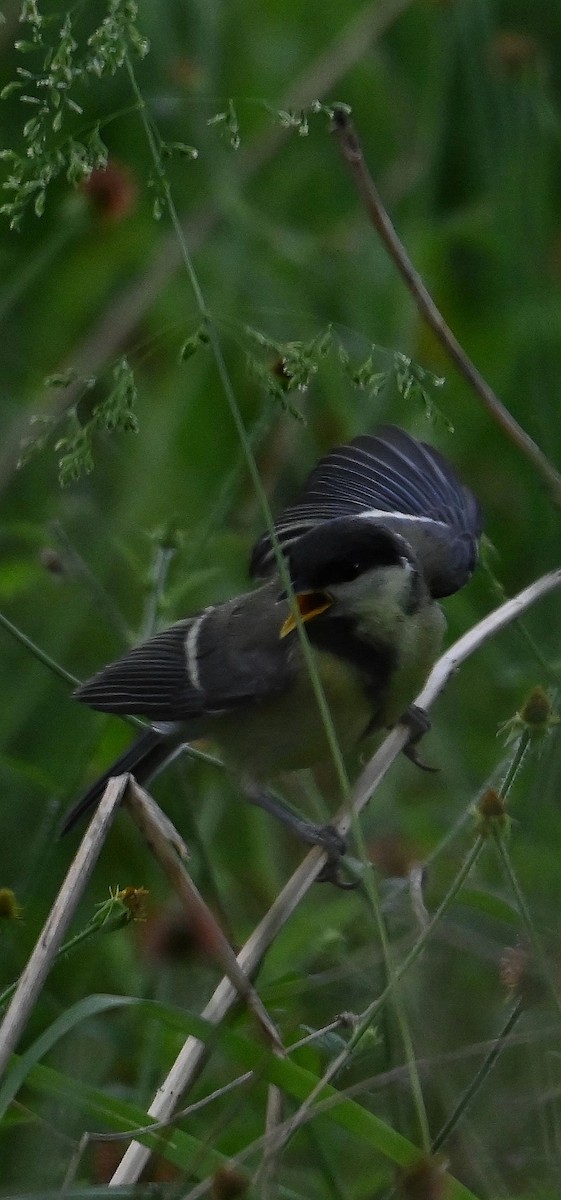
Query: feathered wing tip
x=391, y=473
x=142, y=760
x=151, y=680
x=184, y=673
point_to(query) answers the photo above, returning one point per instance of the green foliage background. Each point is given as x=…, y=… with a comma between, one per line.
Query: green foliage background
x=459, y=108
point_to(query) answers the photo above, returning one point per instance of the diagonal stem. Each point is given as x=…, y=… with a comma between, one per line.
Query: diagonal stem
x=351, y=150
x=478, y=1079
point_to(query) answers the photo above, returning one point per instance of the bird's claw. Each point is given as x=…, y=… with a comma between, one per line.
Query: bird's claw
x=418, y=723
x=331, y=873
x=410, y=751
x=335, y=845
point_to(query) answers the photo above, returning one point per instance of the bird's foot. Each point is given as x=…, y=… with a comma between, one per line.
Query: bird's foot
x=327, y=837
x=331, y=873
x=330, y=840
x=418, y=723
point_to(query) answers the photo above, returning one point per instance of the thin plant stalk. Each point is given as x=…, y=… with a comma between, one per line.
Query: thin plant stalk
x=353, y=156
x=479, y=1078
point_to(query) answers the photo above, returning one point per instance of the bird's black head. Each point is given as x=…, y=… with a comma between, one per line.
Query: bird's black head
x=340, y=551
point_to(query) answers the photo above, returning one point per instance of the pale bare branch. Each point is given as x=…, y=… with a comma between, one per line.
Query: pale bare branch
x=163, y=841
x=58, y=920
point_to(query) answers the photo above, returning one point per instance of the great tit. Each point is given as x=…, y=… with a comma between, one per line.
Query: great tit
x=382, y=530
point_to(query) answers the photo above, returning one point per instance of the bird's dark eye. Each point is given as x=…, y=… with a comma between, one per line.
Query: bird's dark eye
x=346, y=567
x=344, y=570
x=339, y=552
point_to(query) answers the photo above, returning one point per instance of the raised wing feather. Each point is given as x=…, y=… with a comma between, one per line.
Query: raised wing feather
x=390, y=473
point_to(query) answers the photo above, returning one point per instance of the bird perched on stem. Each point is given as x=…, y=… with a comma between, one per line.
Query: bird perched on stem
x=382, y=530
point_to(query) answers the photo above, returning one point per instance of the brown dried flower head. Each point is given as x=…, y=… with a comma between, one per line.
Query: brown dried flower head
x=111, y=191
x=491, y=814
x=424, y=1180
x=521, y=975
x=229, y=1183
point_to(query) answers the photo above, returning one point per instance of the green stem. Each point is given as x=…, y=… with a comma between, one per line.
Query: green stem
x=158, y=580
x=525, y=914
x=374, y=1008
x=153, y=139
x=107, y=925
x=515, y=765
x=219, y=508
x=37, y=653
x=99, y=595
x=393, y=990
x=478, y=1079
x=42, y=259
x=519, y=624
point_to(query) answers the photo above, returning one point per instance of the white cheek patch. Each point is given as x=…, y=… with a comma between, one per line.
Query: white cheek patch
x=388, y=584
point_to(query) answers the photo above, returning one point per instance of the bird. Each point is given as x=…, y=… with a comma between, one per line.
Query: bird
x=382, y=530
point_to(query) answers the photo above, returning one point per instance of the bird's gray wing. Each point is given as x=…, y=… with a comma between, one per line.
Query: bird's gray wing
x=214, y=661
x=407, y=484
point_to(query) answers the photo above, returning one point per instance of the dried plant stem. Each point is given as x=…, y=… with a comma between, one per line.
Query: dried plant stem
x=147, y=816
x=353, y=156
x=265, y=1179
x=58, y=920
x=186, y=1066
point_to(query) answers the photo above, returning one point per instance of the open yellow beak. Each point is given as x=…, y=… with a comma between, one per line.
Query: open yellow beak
x=310, y=605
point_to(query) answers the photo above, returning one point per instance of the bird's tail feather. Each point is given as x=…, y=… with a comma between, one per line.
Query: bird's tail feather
x=143, y=760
